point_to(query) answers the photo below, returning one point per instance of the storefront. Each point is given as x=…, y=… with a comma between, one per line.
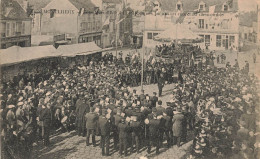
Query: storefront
x=89, y=37
x=22, y=41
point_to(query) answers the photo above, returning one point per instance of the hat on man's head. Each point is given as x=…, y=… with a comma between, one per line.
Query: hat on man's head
x=160, y=102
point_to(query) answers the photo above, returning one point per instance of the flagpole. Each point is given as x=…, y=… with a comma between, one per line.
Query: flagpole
x=142, y=76
x=116, y=39
x=117, y=15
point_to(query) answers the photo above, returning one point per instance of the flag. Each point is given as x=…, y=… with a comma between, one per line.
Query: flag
x=81, y=11
x=211, y=9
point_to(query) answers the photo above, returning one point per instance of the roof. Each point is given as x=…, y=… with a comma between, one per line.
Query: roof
x=37, y=5
x=112, y=1
x=78, y=49
x=11, y=10
x=191, y=5
x=16, y=54
x=158, y=22
x=86, y=4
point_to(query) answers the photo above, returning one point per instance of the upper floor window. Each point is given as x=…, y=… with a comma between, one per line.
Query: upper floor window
x=201, y=23
x=202, y=6
x=149, y=35
x=8, y=29
x=179, y=5
x=225, y=8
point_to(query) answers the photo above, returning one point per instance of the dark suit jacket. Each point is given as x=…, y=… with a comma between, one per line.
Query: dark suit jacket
x=91, y=120
x=123, y=130
x=104, y=125
x=45, y=116
x=177, y=127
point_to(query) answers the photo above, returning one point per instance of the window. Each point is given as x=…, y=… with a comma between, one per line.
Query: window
x=201, y=7
x=218, y=41
x=202, y=37
x=23, y=28
x=245, y=35
x=207, y=40
x=178, y=7
x=7, y=29
x=231, y=40
x=83, y=26
x=225, y=8
x=149, y=35
x=19, y=27
x=13, y=29
x=89, y=26
x=97, y=25
x=52, y=12
x=154, y=34
x=93, y=26
x=201, y=23
x=224, y=24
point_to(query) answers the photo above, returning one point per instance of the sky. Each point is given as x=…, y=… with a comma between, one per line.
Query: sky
x=248, y=5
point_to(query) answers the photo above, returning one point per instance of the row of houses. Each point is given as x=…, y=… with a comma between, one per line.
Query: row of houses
x=134, y=22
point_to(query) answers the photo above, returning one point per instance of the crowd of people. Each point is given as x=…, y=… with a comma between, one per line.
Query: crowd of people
x=219, y=105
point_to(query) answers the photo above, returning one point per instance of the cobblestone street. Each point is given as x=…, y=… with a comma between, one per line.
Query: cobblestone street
x=71, y=146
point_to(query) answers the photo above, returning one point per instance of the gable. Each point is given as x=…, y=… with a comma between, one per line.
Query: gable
x=60, y=5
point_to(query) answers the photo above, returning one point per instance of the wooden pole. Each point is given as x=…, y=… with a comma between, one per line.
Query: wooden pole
x=142, y=76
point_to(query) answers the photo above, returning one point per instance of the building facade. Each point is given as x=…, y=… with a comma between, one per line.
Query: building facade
x=216, y=21
x=111, y=10
x=258, y=23
x=15, y=25
x=154, y=25
x=126, y=26
x=79, y=20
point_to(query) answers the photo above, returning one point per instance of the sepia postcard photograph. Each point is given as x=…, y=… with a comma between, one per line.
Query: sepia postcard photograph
x=133, y=79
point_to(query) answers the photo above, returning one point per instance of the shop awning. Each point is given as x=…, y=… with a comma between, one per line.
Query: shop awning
x=79, y=49
x=16, y=54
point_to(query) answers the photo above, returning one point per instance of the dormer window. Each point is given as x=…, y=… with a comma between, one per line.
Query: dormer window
x=202, y=6
x=225, y=7
x=179, y=6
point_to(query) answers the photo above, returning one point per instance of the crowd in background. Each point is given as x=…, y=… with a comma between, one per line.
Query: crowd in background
x=218, y=104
